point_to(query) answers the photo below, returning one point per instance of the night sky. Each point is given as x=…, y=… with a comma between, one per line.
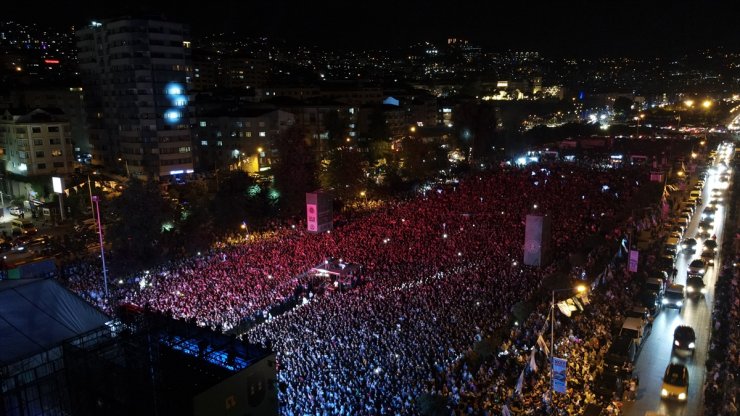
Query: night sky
x=572, y=27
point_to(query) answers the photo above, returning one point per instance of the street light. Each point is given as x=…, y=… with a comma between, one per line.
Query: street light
x=579, y=289
x=246, y=228
x=706, y=104
x=128, y=174
x=363, y=194
x=637, y=130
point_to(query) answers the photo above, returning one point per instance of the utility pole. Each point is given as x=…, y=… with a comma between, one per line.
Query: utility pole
x=96, y=199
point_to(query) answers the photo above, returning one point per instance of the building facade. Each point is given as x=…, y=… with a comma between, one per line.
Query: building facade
x=36, y=143
x=135, y=77
x=239, y=138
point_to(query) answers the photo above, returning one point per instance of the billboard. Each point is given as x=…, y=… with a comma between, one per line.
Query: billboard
x=319, y=212
x=56, y=183
x=537, y=240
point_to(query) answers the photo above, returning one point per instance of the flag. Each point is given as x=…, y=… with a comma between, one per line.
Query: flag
x=520, y=383
x=578, y=303
x=564, y=309
x=542, y=344
x=532, y=361
x=505, y=411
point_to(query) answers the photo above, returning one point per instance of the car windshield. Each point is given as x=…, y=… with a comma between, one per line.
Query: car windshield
x=675, y=375
x=652, y=286
x=695, y=281
x=631, y=332
x=674, y=295
x=684, y=333
x=697, y=263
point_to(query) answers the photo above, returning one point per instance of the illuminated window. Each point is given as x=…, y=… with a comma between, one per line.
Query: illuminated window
x=247, y=134
x=56, y=152
x=204, y=142
x=219, y=143
x=203, y=124
x=263, y=134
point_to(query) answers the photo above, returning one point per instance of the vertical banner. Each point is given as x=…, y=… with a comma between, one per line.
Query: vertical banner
x=634, y=256
x=559, y=374
x=311, y=219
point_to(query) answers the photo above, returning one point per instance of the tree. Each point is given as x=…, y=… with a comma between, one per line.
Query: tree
x=336, y=129
x=195, y=220
x=295, y=171
x=229, y=205
x=476, y=129
x=422, y=160
x=137, y=220
x=344, y=172
x=622, y=106
x=378, y=125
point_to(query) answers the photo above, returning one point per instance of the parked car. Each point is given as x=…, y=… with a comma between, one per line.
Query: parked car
x=16, y=210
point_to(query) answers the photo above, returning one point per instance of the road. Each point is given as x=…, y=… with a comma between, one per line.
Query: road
x=697, y=313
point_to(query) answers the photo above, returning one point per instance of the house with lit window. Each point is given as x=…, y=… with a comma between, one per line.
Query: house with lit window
x=34, y=145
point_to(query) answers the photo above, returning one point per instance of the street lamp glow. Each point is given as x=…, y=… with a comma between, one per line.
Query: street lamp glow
x=706, y=104
x=581, y=288
x=259, y=150
x=689, y=103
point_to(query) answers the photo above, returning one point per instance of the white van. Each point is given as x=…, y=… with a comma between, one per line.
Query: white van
x=637, y=328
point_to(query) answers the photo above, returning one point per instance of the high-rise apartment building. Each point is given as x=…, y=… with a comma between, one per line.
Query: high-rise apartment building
x=135, y=77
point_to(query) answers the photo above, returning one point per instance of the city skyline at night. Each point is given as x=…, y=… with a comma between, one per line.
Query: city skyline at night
x=578, y=27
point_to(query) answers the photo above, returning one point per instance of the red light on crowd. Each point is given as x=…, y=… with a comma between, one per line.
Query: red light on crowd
x=51, y=61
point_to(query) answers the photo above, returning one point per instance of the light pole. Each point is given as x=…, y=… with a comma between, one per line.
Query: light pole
x=96, y=199
x=246, y=228
x=125, y=161
x=579, y=289
x=637, y=129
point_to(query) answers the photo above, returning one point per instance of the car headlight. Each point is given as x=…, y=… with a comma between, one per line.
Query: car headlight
x=679, y=303
x=664, y=392
x=692, y=345
x=664, y=301
x=682, y=396
x=701, y=271
x=676, y=343
x=689, y=289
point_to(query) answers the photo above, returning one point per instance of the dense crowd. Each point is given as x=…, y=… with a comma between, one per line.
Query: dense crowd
x=722, y=387
x=442, y=272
